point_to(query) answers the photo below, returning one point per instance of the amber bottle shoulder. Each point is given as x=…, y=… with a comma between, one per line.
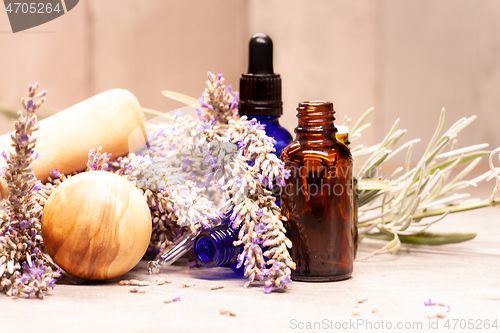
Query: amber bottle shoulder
x=301, y=148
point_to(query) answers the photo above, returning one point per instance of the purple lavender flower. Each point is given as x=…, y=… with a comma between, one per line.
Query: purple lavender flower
x=52, y=283
x=55, y=173
x=24, y=224
x=29, y=105
x=37, y=155
x=38, y=185
x=287, y=173
x=263, y=180
x=269, y=287
x=242, y=144
x=176, y=298
x=236, y=100
x=25, y=278
x=241, y=260
x=202, y=102
x=261, y=228
x=2, y=171
x=178, y=113
x=4, y=155
x=429, y=303
x=285, y=281
x=37, y=271
x=253, y=244
x=260, y=212
x=24, y=138
x=205, y=126
x=280, y=181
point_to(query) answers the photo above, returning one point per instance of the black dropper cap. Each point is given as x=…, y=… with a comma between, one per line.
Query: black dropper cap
x=260, y=88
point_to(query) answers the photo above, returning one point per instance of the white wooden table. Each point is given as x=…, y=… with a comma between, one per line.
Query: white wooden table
x=465, y=276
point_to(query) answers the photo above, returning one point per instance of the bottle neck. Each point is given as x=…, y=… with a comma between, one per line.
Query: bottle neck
x=214, y=247
x=316, y=119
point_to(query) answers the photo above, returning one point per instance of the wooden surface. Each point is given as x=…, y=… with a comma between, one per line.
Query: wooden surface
x=463, y=275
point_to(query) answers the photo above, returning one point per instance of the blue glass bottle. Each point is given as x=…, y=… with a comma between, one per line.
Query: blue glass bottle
x=214, y=248
x=260, y=91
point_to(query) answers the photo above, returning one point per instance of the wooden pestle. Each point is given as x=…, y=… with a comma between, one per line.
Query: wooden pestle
x=112, y=119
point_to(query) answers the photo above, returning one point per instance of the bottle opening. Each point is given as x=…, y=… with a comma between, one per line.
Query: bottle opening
x=316, y=116
x=206, y=250
x=321, y=106
x=214, y=247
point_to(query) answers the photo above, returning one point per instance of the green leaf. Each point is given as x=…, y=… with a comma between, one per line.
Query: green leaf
x=466, y=158
x=428, y=238
x=188, y=100
x=369, y=184
x=394, y=244
x=361, y=121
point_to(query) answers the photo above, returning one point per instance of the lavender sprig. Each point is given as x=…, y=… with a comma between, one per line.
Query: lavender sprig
x=219, y=102
x=246, y=188
x=255, y=212
x=23, y=270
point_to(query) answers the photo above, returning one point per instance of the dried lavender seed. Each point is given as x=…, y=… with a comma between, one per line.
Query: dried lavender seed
x=216, y=286
x=442, y=314
x=134, y=282
x=134, y=289
x=144, y=283
x=362, y=299
x=124, y=282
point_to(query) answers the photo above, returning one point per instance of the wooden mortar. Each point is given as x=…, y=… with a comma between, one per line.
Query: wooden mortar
x=96, y=225
x=112, y=119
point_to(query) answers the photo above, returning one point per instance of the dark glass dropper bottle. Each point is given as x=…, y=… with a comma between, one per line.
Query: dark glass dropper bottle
x=260, y=91
x=317, y=200
x=214, y=248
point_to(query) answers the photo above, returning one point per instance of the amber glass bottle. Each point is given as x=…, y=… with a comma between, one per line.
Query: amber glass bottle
x=318, y=197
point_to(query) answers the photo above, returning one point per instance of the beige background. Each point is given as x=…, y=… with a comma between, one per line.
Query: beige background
x=407, y=58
